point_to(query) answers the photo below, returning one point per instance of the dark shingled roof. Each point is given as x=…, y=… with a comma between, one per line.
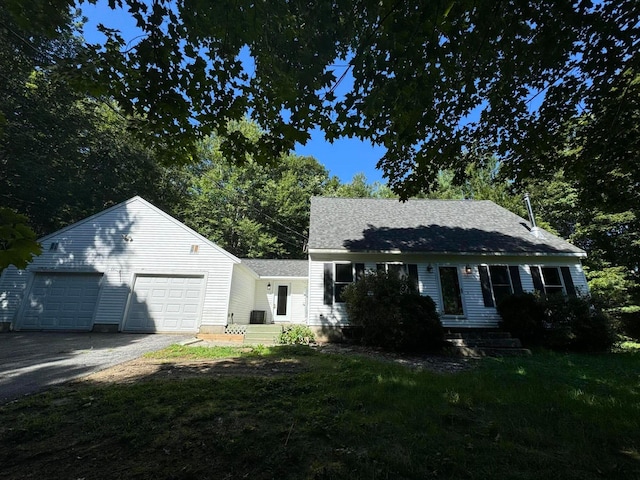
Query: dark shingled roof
x=438, y=226
x=278, y=268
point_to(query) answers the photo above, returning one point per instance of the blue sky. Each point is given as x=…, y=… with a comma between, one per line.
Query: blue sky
x=344, y=158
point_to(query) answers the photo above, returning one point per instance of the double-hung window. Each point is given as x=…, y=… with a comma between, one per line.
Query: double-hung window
x=553, y=280
x=401, y=270
x=336, y=278
x=498, y=282
x=344, y=276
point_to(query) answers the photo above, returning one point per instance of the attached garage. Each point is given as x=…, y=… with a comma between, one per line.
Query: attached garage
x=61, y=301
x=131, y=267
x=165, y=303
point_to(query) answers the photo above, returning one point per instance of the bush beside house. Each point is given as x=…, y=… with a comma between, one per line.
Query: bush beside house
x=388, y=312
x=556, y=322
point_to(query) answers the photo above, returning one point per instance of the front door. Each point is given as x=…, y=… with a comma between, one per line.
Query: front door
x=282, y=303
x=451, y=293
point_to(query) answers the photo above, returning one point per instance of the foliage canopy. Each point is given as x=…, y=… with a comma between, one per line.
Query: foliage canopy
x=431, y=81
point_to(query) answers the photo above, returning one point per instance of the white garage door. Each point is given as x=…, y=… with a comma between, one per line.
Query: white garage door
x=61, y=301
x=164, y=303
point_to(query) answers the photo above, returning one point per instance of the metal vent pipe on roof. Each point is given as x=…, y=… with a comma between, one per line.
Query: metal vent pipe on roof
x=535, y=231
x=527, y=202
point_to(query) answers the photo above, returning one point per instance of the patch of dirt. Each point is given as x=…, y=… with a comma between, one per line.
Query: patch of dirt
x=432, y=363
x=137, y=369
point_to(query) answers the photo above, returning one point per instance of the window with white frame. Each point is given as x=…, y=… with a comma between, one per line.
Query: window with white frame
x=401, y=270
x=553, y=280
x=336, y=278
x=340, y=274
x=498, y=282
x=344, y=276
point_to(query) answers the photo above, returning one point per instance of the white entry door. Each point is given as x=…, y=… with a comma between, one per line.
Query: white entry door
x=165, y=303
x=282, y=303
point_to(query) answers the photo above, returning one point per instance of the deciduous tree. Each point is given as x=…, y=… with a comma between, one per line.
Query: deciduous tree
x=249, y=208
x=428, y=80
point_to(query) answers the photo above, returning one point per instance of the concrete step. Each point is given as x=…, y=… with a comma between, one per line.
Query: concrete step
x=262, y=334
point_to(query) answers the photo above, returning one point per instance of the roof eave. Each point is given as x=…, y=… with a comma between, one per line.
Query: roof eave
x=581, y=254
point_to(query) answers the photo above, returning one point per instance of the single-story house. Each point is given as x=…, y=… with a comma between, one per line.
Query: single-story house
x=134, y=268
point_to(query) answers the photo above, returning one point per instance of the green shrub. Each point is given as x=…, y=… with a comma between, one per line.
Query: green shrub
x=296, y=335
x=630, y=322
x=593, y=333
x=388, y=312
x=557, y=322
x=523, y=317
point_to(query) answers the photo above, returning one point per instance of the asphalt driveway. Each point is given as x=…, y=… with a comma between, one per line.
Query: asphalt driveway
x=33, y=361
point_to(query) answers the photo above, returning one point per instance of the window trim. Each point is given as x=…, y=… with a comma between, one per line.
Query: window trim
x=409, y=270
x=564, y=271
x=488, y=288
x=358, y=270
x=342, y=284
x=458, y=268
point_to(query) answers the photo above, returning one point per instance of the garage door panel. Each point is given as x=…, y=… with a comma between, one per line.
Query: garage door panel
x=65, y=301
x=165, y=303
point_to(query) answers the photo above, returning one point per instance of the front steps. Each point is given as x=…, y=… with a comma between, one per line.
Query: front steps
x=481, y=343
x=259, y=334
x=262, y=334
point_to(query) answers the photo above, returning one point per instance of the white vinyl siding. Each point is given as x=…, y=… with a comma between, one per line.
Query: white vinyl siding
x=242, y=296
x=476, y=315
x=13, y=284
x=319, y=313
x=266, y=298
x=298, y=292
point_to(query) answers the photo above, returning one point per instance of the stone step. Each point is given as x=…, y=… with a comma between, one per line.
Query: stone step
x=481, y=343
x=465, y=351
x=484, y=334
x=486, y=342
x=506, y=352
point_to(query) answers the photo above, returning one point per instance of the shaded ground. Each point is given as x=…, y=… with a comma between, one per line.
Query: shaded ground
x=295, y=414
x=33, y=361
x=262, y=367
x=151, y=369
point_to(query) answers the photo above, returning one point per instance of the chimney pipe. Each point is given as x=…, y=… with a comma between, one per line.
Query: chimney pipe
x=535, y=231
x=527, y=202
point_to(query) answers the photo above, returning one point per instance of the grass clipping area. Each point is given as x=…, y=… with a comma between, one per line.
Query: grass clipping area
x=336, y=416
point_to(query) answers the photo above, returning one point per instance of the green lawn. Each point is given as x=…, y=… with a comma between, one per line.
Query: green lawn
x=545, y=416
